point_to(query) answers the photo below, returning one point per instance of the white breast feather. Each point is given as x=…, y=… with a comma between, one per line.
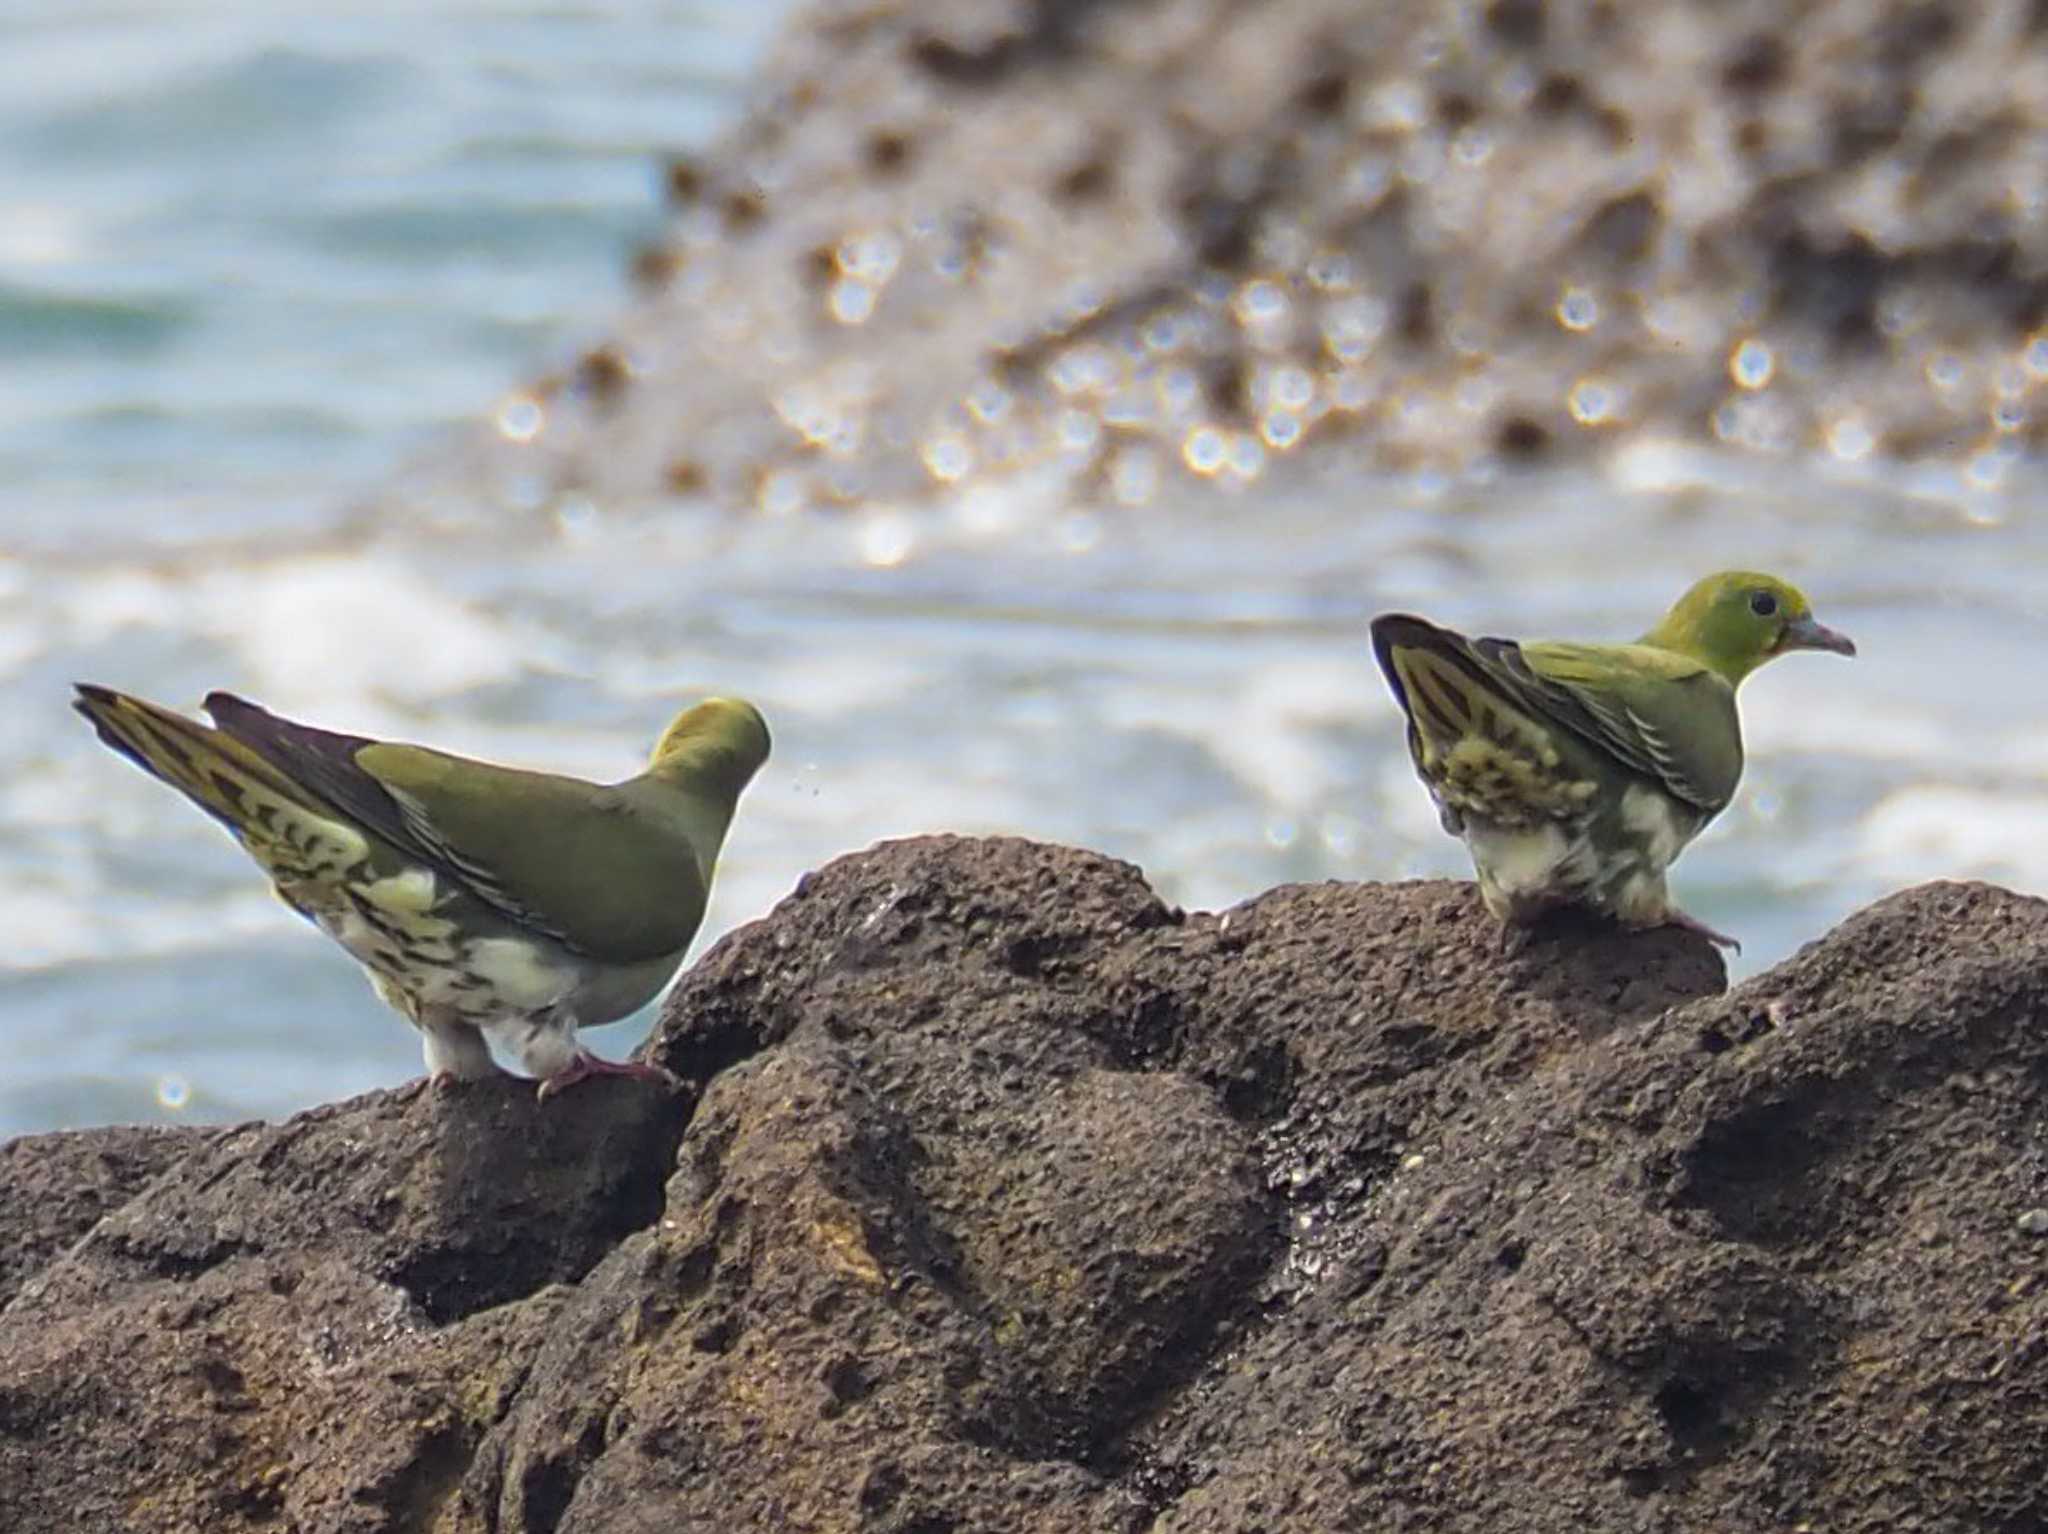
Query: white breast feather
x=1650, y=815
x=519, y=976
x=1520, y=862
x=404, y=894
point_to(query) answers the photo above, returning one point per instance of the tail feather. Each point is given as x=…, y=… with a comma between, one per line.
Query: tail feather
x=1436, y=681
x=1439, y=696
x=211, y=768
x=1454, y=689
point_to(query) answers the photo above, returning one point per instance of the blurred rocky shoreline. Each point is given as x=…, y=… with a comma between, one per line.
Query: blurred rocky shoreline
x=1102, y=251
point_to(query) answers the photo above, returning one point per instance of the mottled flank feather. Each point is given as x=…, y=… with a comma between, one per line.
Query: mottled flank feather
x=1496, y=781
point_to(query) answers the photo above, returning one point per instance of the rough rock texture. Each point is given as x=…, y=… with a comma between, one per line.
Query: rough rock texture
x=1011, y=1199
x=1102, y=248
x=59, y=1185
x=305, y=1325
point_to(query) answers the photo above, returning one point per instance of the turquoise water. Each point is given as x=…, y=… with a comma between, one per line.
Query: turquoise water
x=252, y=253
x=256, y=261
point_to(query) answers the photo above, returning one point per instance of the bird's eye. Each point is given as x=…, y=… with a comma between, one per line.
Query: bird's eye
x=1763, y=604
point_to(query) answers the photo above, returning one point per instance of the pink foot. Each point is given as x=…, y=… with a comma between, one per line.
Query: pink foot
x=1677, y=918
x=586, y=1065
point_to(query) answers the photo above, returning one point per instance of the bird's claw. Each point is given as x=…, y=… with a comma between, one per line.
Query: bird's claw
x=1677, y=918
x=448, y=1081
x=586, y=1065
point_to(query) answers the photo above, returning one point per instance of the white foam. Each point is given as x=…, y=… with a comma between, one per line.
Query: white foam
x=1940, y=830
x=34, y=234
x=50, y=923
x=345, y=626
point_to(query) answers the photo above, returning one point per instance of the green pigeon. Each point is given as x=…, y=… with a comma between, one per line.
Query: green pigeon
x=482, y=900
x=1576, y=773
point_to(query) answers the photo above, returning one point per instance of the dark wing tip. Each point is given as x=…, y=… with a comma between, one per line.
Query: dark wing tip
x=1504, y=652
x=278, y=738
x=1393, y=625
x=225, y=705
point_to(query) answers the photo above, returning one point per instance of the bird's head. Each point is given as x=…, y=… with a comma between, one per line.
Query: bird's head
x=1737, y=620
x=720, y=743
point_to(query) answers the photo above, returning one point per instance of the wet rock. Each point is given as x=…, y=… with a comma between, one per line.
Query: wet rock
x=1008, y=1197
x=1106, y=249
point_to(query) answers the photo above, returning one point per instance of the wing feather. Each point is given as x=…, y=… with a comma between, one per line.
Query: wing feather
x=1654, y=712
x=325, y=764
x=1667, y=717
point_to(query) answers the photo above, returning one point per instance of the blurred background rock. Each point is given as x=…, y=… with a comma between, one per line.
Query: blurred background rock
x=1026, y=404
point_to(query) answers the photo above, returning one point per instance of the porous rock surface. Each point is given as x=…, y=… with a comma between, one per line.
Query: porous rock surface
x=1001, y=1196
x=1106, y=250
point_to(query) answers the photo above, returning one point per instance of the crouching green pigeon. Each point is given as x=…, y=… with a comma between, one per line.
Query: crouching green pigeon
x=482, y=900
x=1576, y=773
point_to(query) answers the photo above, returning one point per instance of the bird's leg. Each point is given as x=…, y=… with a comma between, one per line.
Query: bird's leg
x=1521, y=919
x=547, y=1048
x=455, y=1052
x=1673, y=917
x=585, y=1064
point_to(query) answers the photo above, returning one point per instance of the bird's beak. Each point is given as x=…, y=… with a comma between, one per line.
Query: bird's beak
x=1806, y=634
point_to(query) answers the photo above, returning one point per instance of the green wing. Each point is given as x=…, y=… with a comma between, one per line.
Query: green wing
x=1667, y=717
x=600, y=868
x=610, y=872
